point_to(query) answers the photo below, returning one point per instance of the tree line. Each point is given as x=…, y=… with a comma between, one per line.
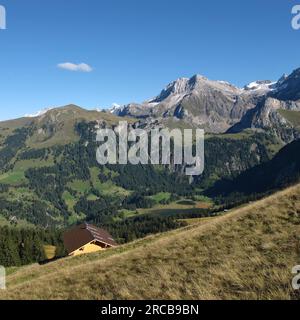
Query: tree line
x=22, y=246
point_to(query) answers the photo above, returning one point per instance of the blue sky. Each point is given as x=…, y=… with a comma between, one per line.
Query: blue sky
x=136, y=47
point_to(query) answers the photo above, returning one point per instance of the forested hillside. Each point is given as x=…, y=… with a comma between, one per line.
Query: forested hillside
x=50, y=176
x=21, y=246
x=281, y=171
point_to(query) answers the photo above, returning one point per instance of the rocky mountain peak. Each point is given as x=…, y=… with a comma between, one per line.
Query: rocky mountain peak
x=194, y=80
x=176, y=87
x=282, y=79
x=289, y=87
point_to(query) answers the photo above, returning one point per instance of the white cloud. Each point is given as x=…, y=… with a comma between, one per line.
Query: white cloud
x=81, y=67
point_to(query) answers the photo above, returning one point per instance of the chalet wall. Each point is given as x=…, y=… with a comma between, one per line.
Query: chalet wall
x=89, y=248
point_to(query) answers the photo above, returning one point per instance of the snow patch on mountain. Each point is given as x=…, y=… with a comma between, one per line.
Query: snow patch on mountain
x=116, y=108
x=39, y=113
x=265, y=85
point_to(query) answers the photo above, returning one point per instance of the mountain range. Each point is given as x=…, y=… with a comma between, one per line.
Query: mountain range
x=220, y=107
x=49, y=175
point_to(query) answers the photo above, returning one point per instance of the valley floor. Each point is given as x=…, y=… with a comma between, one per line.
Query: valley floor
x=248, y=253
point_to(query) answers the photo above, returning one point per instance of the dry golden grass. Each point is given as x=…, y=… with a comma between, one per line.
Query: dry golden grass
x=246, y=254
x=197, y=221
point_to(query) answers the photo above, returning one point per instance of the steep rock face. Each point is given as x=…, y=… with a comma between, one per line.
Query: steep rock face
x=266, y=116
x=284, y=95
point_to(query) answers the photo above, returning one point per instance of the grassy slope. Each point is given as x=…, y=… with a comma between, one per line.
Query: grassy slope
x=17, y=175
x=292, y=116
x=7, y=127
x=64, y=120
x=61, y=121
x=248, y=254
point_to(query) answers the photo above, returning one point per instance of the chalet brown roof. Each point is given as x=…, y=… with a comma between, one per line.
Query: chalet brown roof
x=85, y=233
